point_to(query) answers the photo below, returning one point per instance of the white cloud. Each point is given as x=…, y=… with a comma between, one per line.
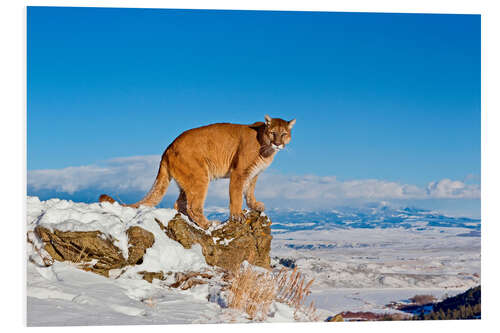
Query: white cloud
x=330, y=189
x=135, y=173
x=447, y=188
x=132, y=174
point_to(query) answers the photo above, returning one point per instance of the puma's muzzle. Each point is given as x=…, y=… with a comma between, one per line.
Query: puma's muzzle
x=277, y=147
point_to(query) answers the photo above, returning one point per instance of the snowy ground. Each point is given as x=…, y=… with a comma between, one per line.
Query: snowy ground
x=385, y=258
x=62, y=294
x=365, y=268
x=360, y=262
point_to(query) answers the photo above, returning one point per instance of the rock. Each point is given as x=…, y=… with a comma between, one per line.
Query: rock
x=182, y=280
x=86, y=246
x=228, y=245
x=139, y=240
x=336, y=318
x=149, y=276
x=369, y=316
x=187, y=280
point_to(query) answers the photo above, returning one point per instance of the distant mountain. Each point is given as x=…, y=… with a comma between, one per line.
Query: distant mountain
x=286, y=220
x=377, y=215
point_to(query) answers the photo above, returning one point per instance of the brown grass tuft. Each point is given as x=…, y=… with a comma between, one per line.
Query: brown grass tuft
x=293, y=290
x=252, y=292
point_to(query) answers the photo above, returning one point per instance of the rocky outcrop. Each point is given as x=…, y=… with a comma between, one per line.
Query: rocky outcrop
x=228, y=245
x=94, y=250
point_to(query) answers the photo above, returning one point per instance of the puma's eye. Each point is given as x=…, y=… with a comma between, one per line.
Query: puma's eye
x=283, y=134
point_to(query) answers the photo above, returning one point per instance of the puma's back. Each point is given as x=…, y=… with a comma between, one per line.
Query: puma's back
x=219, y=147
x=223, y=150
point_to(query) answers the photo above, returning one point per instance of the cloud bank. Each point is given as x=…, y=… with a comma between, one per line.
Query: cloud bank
x=136, y=174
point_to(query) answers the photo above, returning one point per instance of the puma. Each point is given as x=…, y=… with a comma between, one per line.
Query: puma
x=223, y=150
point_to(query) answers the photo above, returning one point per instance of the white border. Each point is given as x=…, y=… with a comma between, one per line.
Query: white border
x=13, y=139
x=421, y=6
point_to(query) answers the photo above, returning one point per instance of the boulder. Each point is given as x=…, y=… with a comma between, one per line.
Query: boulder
x=94, y=249
x=336, y=318
x=149, y=276
x=228, y=245
x=139, y=241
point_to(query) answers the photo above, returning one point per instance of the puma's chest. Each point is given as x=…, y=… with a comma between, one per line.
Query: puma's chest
x=258, y=167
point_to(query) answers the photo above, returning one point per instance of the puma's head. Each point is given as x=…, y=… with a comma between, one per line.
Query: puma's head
x=278, y=132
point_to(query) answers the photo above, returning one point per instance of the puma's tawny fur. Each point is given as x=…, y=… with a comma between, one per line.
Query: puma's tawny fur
x=199, y=155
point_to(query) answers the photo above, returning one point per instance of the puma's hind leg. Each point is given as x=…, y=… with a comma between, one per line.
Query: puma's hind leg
x=192, y=198
x=195, y=199
x=192, y=179
x=181, y=203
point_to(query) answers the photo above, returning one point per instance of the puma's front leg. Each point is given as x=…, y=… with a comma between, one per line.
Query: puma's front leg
x=236, y=183
x=250, y=196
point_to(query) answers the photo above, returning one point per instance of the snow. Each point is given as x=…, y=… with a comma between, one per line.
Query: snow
x=360, y=260
x=70, y=296
x=114, y=220
x=371, y=300
x=63, y=294
x=384, y=258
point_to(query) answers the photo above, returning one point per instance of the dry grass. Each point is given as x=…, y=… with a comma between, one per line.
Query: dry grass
x=253, y=292
x=44, y=256
x=293, y=289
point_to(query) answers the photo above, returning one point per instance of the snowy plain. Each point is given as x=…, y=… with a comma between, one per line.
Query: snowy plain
x=361, y=260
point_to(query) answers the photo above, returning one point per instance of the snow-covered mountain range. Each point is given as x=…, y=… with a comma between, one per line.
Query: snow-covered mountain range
x=368, y=217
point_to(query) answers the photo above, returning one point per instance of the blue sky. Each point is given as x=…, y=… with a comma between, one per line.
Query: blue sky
x=390, y=97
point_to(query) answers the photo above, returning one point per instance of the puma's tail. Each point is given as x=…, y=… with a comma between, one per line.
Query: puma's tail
x=156, y=192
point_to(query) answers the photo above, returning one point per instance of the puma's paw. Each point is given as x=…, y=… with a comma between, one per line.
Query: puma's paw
x=215, y=223
x=259, y=206
x=203, y=223
x=238, y=217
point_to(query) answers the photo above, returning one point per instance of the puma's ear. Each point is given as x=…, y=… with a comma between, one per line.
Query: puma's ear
x=268, y=120
x=291, y=123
